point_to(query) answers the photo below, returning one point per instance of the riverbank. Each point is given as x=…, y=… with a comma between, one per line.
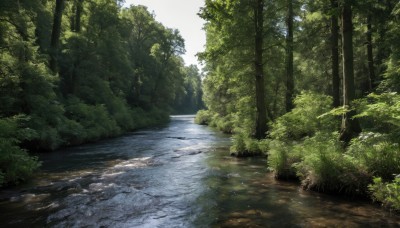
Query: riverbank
x=179, y=175
x=17, y=143
x=304, y=145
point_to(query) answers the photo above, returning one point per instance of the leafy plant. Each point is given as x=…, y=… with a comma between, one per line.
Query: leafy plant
x=15, y=163
x=386, y=192
x=325, y=167
x=303, y=120
x=377, y=153
x=245, y=146
x=281, y=158
x=203, y=117
x=380, y=112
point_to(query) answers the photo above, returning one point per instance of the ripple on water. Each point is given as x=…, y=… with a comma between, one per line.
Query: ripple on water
x=177, y=176
x=135, y=163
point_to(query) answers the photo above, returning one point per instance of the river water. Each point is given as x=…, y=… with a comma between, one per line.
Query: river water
x=179, y=175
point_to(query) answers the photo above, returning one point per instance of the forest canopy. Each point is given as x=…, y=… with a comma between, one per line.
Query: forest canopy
x=74, y=71
x=314, y=85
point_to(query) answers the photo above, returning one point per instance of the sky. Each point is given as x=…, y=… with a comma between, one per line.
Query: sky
x=181, y=15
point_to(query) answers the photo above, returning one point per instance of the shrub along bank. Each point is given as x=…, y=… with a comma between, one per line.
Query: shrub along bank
x=304, y=144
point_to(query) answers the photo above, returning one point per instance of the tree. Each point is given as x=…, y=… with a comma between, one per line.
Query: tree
x=261, y=114
x=55, y=34
x=350, y=126
x=78, y=15
x=335, y=53
x=236, y=63
x=371, y=65
x=289, y=57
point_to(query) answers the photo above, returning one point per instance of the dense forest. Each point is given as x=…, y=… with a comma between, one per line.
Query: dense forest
x=314, y=85
x=75, y=71
x=311, y=84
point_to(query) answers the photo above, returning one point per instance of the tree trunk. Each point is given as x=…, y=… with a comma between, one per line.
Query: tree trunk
x=289, y=57
x=55, y=35
x=335, y=54
x=78, y=15
x=371, y=68
x=350, y=127
x=261, y=116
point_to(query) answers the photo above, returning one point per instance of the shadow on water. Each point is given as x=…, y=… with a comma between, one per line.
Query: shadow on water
x=180, y=175
x=242, y=193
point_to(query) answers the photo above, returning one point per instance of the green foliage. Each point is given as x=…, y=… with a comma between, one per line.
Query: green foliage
x=94, y=119
x=324, y=167
x=386, y=192
x=377, y=153
x=392, y=74
x=281, y=158
x=303, y=119
x=203, y=117
x=380, y=112
x=239, y=144
x=224, y=124
x=121, y=113
x=189, y=99
x=304, y=147
x=245, y=146
x=116, y=70
x=320, y=161
x=15, y=163
x=156, y=116
x=303, y=143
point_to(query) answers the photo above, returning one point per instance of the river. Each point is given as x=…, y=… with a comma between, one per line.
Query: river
x=179, y=175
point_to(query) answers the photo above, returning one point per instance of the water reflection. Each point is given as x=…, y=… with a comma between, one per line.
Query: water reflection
x=176, y=176
x=241, y=193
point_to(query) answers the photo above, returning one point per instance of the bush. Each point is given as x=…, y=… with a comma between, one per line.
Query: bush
x=377, y=153
x=94, y=119
x=139, y=118
x=320, y=163
x=72, y=132
x=47, y=135
x=224, y=124
x=303, y=120
x=289, y=131
x=203, y=117
x=281, y=158
x=15, y=163
x=238, y=144
x=324, y=166
x=380, y=113
x=244, y=146
x=156, y=116
x=386, y=192
x=120, y=112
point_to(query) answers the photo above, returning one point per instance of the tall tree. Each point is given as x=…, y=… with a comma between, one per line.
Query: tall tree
x=78, y=15
x=261, y=111
x=350, y=126
x=371, y=67
x=235, y=84
x=289, y=57
x=55, y=34
x=335, y=53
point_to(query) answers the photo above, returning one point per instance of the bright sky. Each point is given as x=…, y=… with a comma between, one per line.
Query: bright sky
x=181, y=15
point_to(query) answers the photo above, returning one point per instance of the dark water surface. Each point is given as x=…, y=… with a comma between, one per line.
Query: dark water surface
x=177, y=176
